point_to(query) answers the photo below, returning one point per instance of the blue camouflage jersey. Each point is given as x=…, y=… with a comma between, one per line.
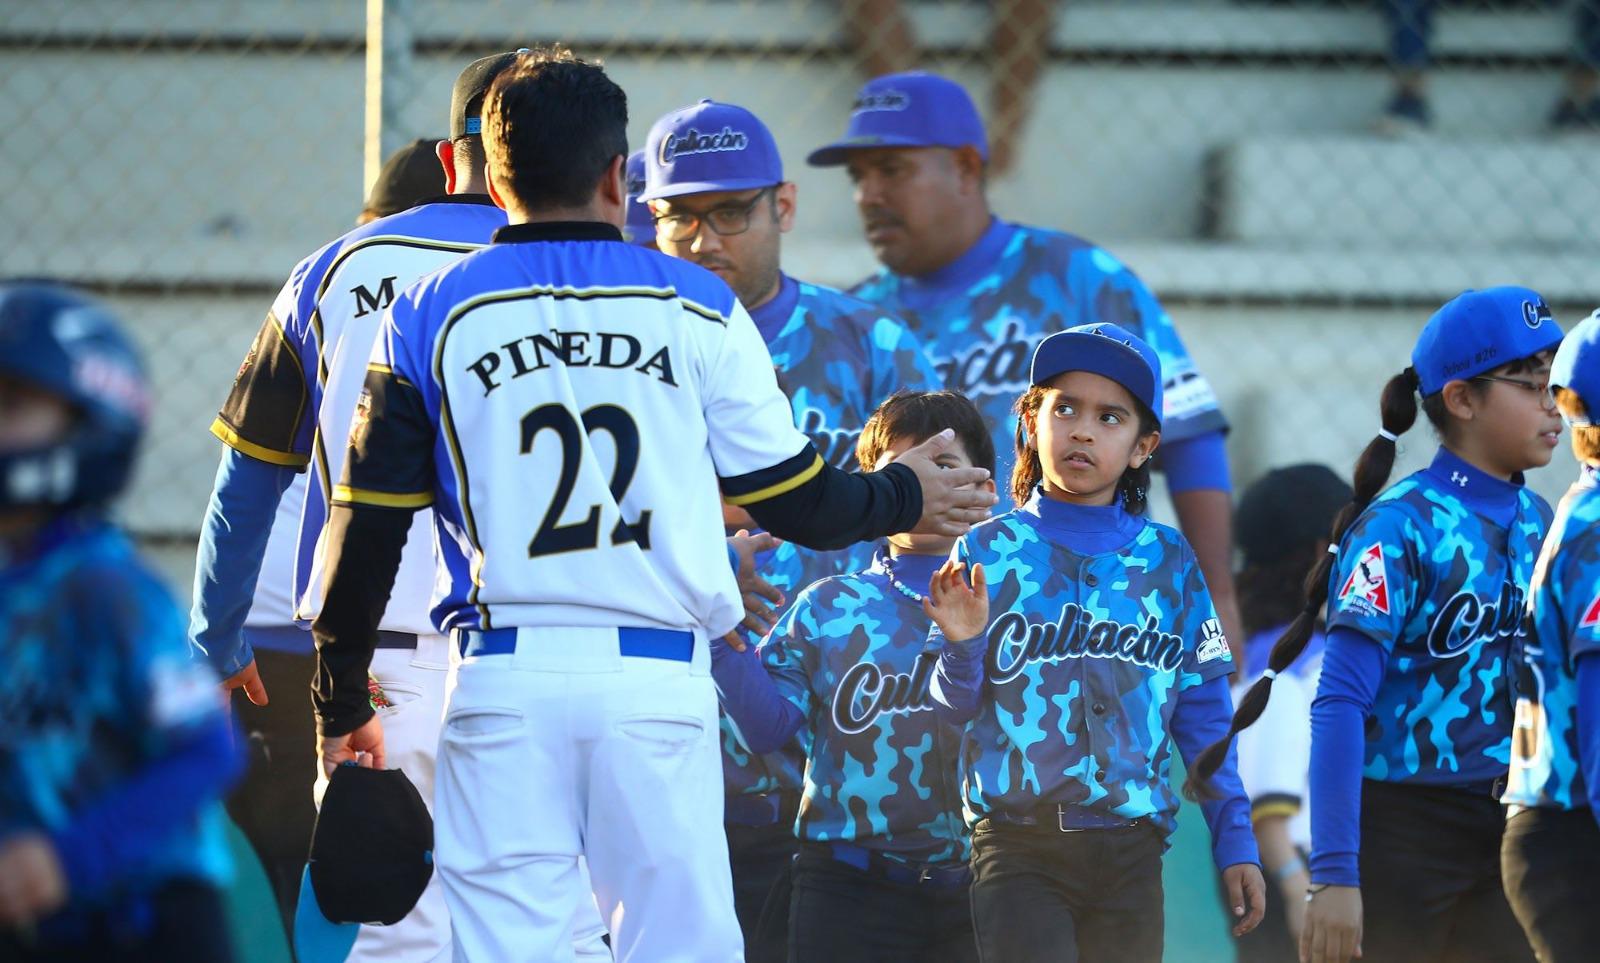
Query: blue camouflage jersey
x=1436, y=571
x=852, y=656
x=981, y=318
x=97, y=689
x=1546, y=765
x=1085, y=658
x=837, y=359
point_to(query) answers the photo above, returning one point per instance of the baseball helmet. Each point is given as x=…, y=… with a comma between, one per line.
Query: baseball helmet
x=66, y=343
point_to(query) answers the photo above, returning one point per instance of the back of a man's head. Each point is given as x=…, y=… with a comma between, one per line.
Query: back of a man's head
x=552, y=125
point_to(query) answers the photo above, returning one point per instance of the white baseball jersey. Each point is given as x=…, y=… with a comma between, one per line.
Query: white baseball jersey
x=301, y=381
x=1275, y=757
x=564, y=401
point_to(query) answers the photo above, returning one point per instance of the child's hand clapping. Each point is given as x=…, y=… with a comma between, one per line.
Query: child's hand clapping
x=960, y=610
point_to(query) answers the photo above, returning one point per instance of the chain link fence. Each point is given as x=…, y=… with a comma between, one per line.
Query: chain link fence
x=179, y=156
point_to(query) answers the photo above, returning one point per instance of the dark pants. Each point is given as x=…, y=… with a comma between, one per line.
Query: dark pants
x=181, y=923
x=272, y=805
x=1039, y=894
x=761, y=857
x=841, y=914
x=1272, y=941
x=1430, y=877
x=1551, y=861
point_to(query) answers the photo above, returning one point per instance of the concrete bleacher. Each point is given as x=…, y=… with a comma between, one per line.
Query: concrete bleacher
x=202, y=147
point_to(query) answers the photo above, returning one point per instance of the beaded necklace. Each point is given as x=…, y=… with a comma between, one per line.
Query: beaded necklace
x=896, y=584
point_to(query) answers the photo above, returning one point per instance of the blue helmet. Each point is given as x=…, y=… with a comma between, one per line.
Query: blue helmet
x=64, y=342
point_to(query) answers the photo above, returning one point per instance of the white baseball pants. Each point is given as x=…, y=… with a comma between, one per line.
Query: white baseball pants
x=564, y=749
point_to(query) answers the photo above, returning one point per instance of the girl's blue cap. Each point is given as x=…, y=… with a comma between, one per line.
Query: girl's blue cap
x=1477, y=331
x=1577, y=368
x=1107, y=350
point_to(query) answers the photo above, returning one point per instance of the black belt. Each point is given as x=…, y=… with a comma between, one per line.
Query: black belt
x=395, y=640
x=766, y=809
x=1063, y=818
x=874, y=862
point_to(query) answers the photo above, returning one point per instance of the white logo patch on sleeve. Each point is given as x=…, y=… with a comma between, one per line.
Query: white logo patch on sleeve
x=1366, y=591
x=1213, y=644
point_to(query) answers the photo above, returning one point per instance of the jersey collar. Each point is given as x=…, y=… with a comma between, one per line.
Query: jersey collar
x=557, y=231
x=924, y=291
x=483, y=199
x=1476, y=488
x=771, y=317
x=1085, y=529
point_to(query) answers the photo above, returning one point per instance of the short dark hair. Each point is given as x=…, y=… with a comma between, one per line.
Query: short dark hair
x=466, y=155
x=552, y=125
x=919, y=415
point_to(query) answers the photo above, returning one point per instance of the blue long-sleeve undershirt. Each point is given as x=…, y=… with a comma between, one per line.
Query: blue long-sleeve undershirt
x=765, y=719
x=1196, y=464
x=1589, y=726
x=130, y=823
x=1201, y=717
x=1352, y=669
x=233, y=539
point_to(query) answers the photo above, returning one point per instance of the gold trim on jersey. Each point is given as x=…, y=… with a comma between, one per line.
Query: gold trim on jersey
x=319, y=453
x=773, y=491
x=344, y=494
x=232, y=439
x=1272, y=808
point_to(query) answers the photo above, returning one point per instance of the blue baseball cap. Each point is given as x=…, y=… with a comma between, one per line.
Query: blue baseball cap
x=640, y=228
x=1477, y=331
x=709, y=146
x=1577, y=368
x=915, y=109
x=1105, y=349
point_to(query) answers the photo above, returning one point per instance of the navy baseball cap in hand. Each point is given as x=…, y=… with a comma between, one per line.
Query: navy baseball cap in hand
x=1577, y=368
x=913, y=109
x=641, y=225
x=1105, y=349
x=709, y=146
x=1477, y=331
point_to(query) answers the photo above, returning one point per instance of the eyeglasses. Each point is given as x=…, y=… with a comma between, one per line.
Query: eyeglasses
x=726, y=221
x=1546, y=391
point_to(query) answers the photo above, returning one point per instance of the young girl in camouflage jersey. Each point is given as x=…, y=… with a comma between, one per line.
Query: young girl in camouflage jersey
x=1095, y=650
x=1411, y=725
x=882, y=872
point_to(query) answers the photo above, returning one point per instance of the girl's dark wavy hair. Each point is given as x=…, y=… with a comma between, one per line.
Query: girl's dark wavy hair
x=1398, y=410
x=1133, y=486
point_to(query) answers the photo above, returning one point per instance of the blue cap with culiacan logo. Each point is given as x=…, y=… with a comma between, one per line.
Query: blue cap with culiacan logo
x=1577, y=368
x=914, y=109
x=709, y=146
x=641, y=224
x=1477, y=331
x=1105, y=349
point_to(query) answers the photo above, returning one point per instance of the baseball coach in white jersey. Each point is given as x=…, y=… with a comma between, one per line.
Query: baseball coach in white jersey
x=563, y=401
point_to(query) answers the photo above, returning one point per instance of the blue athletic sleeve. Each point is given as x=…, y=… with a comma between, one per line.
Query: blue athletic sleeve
x=1202, y=717
x=764, y=718
x=233, y=539
x=1589, y=726
x=1196, y=464
x=129, y=824
x=1352, y=669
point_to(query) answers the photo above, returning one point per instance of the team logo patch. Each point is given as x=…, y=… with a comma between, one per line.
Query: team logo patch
x=890, y=99
x=358, y=424
x=1591, y=615
x=1368, y=584
x=1213, y=644
x=1535, y=313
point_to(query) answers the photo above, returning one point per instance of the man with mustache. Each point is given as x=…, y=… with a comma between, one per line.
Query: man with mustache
x=982, y=292
x=715, y=184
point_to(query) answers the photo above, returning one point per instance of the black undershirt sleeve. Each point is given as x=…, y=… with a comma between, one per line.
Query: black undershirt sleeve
x=834, y=508
x=364, y=548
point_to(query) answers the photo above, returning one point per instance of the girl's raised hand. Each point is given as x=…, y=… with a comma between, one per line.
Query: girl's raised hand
x=961, y=610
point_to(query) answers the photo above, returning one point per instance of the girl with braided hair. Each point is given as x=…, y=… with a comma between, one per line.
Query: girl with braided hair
x=1411, y=725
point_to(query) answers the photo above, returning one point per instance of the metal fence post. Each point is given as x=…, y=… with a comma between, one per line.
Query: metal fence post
x=389, y=82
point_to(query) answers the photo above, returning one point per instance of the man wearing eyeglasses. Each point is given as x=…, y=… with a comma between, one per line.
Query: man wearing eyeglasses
x=715, y=184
